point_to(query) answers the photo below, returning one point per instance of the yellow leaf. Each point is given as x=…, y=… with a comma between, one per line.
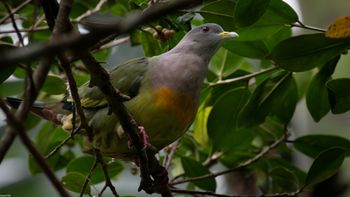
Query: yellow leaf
x=340, y=28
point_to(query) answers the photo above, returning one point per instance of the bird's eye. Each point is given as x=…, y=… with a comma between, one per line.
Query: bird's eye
x=205, y=29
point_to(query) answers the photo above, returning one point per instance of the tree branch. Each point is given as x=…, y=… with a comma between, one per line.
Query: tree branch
x=262, y=153
x=17, y=125
x=13, y=20
x=90, y=12
x=87, y=178
x=302, y=25
x=103, y=165
x=78, y=42
x=244, y=78
x=15, y=10
x=207, y=193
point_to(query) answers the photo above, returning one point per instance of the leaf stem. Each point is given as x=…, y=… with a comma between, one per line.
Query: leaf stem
x=243, y=78
x=302, y=25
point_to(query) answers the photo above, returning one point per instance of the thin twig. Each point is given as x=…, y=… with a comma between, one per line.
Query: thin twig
x=170, y=150
x=103, y=165
x=15, y=10
x=90, y=12
x=100, y=194
x=207, y=193
x=302, y=25
x=60, y=145
x=87, y=178
x=37, y=29
x=115, y=43
x=244, y=78
x=258, y=156
x=17, y=125
x=79, y=42
x=14, y=24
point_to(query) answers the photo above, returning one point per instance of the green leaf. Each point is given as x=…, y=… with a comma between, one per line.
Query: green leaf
x=6, y=71
x=83, y=165
x=226, y=109
x=54, y=85
x=200, y=125
x=248, y=12
x=280, y=12
x=281, y=163
x=283, y=180
x=224, y=63
x=237, y=157
x=269, y=97
x=194, y=168
x=326, y=164
x=74, y=182
x=253, y=49
x=47, y=139
x=274, y=19
x=274, y=39
x=339, y=95
x=313, y=145
x=11, y=88
x=305, y=52
x=288, y=99
x=220, y=12
x=317, y=95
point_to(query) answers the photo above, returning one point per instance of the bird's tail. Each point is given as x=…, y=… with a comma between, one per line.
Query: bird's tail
x=40, y=109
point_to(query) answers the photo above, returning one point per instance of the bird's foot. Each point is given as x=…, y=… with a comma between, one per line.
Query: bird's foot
x=143, y=137
x=160, y=180
x=160, y=176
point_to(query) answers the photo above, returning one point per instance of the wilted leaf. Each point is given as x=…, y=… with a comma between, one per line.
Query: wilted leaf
x=340, y=28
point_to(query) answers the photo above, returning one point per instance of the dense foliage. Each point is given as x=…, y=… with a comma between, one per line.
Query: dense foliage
x=247, y=101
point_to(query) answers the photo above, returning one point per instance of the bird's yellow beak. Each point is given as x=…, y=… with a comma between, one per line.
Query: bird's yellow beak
x=226, y=34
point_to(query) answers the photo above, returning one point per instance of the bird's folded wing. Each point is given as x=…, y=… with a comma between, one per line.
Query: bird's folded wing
x=126, y=77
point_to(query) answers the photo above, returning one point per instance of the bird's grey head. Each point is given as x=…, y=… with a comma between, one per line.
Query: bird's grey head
x=204, y=39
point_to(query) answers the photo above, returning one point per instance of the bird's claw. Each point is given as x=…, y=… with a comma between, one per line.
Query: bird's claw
x=146, y=185
x=160, y=179
x=143, y=137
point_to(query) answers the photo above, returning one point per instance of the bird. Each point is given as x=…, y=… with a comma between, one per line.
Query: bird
x=164, y=94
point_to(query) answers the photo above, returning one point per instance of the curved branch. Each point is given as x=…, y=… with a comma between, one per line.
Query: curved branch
x=262, y=153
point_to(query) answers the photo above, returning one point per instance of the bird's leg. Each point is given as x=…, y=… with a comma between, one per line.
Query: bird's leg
x=144, y=139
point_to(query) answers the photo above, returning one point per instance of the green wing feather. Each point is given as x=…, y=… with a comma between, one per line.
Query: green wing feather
x=126, y=77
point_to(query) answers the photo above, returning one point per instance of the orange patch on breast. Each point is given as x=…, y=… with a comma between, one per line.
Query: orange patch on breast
x=181, y=106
